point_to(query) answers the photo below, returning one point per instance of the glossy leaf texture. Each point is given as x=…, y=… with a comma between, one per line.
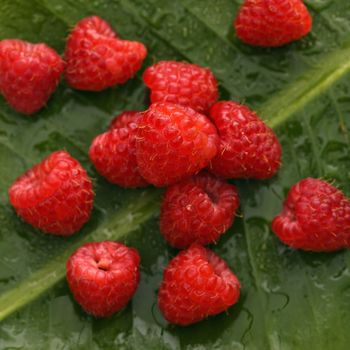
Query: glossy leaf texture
x=290, y=299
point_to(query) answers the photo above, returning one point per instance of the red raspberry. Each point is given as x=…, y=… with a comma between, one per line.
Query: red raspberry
x=55, y=196
x=272, y=23
x=126, y=119
x=29, y=74
x=113, y=152
x=196, y=284
x=197, y=210
x=173, y=142
x=103, y=276
x=315, y=216
x=248, y=148
x=95, y=23
x=182, y=83
x=97, y=59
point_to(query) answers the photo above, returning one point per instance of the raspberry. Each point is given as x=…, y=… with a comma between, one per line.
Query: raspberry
x=103, y=276
x=55, y=196
x=248, y=148
x=272, y=23
x=182, y=83
x=315, y=216
x=29, y=74
x=173, y=142
x=97, y=24
x=97, y=59
x=196, y=284
x=197, y=210
x=126, y=119
x=113, y=152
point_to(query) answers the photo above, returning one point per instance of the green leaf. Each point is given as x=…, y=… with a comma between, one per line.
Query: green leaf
x=290, y=299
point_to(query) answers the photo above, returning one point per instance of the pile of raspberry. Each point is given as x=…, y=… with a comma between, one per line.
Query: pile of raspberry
x=186, y=141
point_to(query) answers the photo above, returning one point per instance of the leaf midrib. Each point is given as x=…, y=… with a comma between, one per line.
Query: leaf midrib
x=306, y=88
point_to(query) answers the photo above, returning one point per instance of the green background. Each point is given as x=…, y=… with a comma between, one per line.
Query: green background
x=290, y=299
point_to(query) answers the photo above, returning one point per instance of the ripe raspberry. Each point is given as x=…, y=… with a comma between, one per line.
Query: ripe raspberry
x=55, y=196
x=173, y=142
x=315, y=216
x=95, y=23
x=182, y=83
x=126, y=119
x=113, y=152
x=196, y=284
x=248, y=148
x=197, y=210
x=272, y=23
x=29, y=74
x=97, y=59
x=103, y=276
